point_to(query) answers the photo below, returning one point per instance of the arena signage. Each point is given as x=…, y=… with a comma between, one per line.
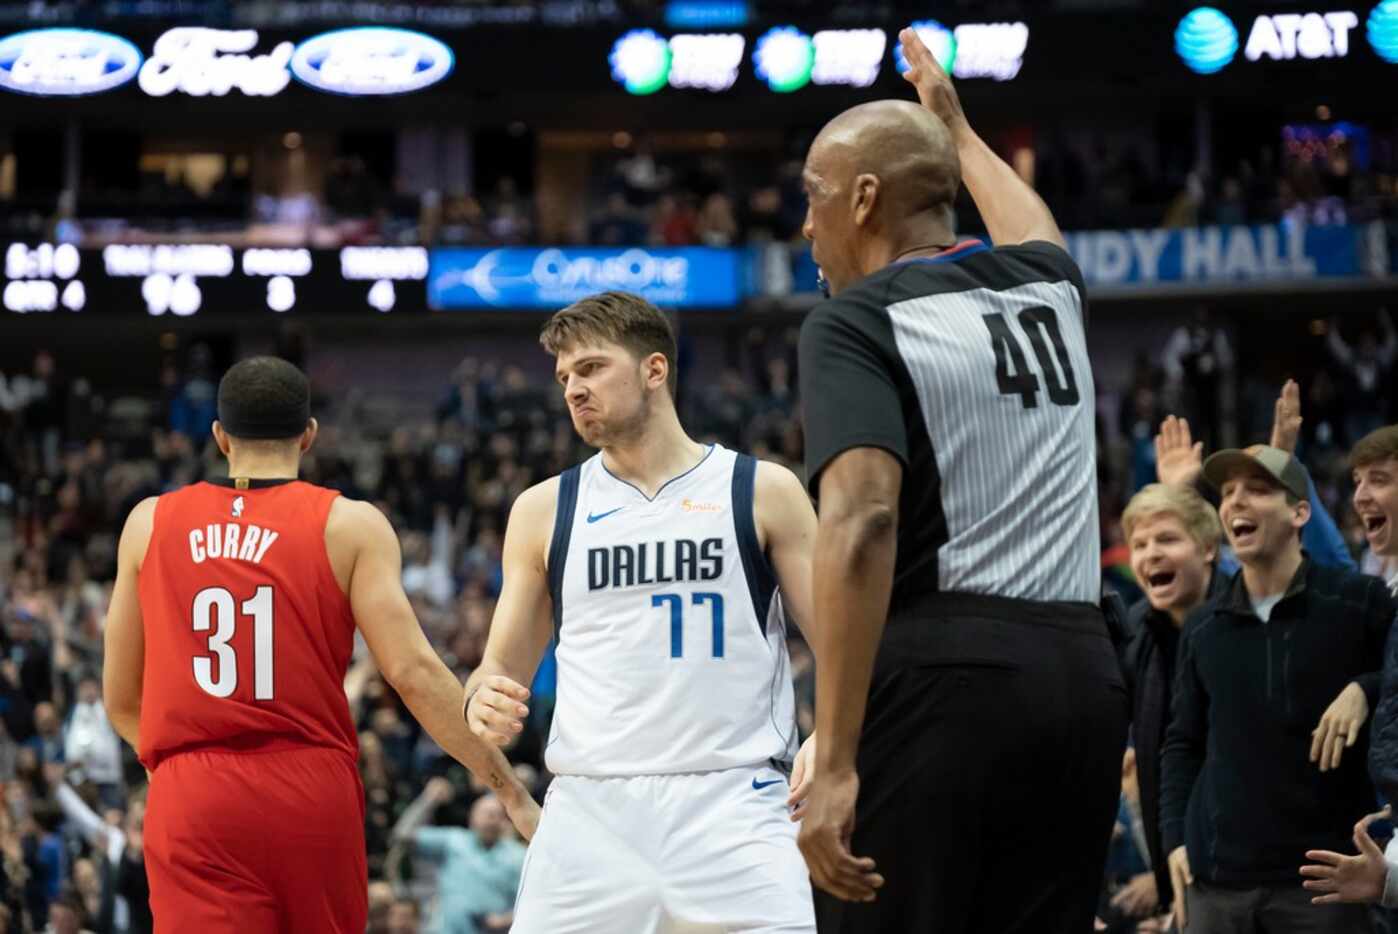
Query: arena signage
x=1285, y=36
x=848, y=56
x=789, y=59
x=1267, y=253
x=199, y=61
x=1207, y=40
x=972, y=50
x=1382, y=30
x=643, y=61
x=42, y=278
x=66, y=62
x=705, y=14
x=520, y=277
x=383, y=266
x=1224, y=258
x=371, y=60
x=784, y=57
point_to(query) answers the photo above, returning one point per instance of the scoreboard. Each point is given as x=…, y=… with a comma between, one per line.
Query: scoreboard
x=184, y=280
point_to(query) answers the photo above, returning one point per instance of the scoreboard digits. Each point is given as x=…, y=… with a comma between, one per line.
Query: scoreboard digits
x=183, y=280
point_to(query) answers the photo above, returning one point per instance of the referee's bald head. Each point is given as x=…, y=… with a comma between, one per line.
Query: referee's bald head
x=880, y=176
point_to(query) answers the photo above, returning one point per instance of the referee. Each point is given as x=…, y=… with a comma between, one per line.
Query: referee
x=970, y=749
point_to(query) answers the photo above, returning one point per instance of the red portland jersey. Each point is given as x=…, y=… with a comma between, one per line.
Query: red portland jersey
x=248, y=635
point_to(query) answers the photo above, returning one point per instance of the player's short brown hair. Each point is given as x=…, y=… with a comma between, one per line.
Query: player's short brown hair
x=1379, y=444
x=1199, y=519
x=619, y=318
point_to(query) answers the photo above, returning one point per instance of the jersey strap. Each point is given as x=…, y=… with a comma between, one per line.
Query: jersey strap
x=562, y=532
x=762, y=583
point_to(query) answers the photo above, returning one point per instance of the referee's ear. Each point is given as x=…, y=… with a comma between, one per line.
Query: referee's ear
x=864, y=197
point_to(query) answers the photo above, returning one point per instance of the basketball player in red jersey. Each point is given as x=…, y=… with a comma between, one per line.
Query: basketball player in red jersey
x=230, y=631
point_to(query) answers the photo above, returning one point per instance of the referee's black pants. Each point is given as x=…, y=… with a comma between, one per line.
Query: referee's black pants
x=989, y=768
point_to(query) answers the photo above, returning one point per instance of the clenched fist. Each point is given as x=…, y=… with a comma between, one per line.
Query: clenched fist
x=495, y=709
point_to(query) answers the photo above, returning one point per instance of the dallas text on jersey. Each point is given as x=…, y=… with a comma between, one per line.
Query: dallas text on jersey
x=630, y=566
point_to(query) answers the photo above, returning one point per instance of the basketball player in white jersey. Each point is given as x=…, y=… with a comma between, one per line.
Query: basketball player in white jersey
x=664, y=568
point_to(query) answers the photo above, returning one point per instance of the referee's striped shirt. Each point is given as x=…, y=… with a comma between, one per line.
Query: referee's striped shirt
x=971, y=368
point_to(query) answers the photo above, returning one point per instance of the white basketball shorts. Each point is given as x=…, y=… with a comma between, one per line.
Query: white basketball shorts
x=699, y=852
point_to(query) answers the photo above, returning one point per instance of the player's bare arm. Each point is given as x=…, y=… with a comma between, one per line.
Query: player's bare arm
x=496, y=693
x=1013, y=212
x=361, y=539
x=124, y=639
x=786, y=528
x=856, y=544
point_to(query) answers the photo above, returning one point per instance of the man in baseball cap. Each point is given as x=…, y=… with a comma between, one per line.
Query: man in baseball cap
x=1282, y=467
x=1287, y=642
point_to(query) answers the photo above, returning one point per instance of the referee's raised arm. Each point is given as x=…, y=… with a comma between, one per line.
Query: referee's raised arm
x=1013, y=212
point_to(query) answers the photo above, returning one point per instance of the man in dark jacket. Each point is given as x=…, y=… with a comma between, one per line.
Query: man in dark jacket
x=1275, y=681
x=1174, y=537
x=1173, y=533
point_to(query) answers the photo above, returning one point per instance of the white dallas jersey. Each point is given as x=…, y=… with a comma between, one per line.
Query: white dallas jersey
x=671, y=637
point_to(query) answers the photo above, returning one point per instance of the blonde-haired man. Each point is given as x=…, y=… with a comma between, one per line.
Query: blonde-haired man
x=665, y=569
x=1174, y=535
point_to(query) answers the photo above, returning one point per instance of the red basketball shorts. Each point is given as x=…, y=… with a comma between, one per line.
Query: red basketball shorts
x=262, y=842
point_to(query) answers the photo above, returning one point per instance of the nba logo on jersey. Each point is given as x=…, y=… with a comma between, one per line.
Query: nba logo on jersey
x=238, y=507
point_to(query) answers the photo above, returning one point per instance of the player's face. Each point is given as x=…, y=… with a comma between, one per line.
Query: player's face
x=1257, y=519
x=607, y=392
x=1376, y=502
x=1170, y=565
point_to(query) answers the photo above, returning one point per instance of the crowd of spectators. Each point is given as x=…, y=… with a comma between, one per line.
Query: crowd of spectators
x=642, y=197
x=1213, y=595
x=722, y=195
x=71, y=468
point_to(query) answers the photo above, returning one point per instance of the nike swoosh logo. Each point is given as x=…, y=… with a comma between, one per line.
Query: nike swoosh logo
x=599, y=516
x=758, y=786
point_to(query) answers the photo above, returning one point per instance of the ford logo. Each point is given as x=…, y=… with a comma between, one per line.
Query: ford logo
x=371, y=60
x=66, y=62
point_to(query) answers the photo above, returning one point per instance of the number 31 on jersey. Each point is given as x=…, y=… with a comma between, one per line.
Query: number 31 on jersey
x=215, y=609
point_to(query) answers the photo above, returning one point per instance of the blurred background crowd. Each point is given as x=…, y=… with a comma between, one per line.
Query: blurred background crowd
x=680, y=189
